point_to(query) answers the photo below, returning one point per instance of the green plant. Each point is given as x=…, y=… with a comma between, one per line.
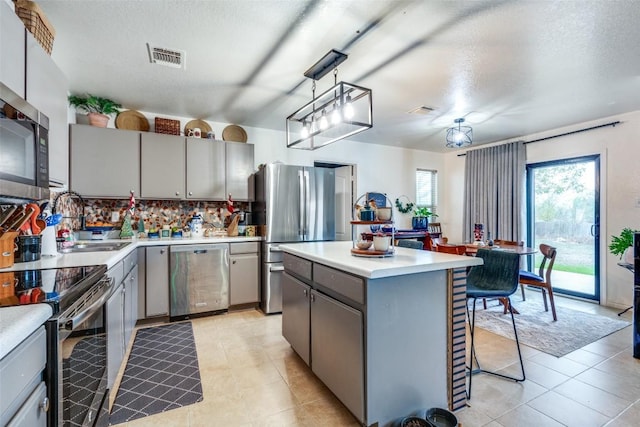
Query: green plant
x=620, y=243
x=94, y=104
x=422, y=211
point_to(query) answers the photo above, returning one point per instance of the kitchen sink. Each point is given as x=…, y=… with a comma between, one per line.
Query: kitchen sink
x=94, y=247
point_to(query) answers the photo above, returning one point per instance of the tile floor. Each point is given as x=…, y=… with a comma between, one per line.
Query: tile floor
x=251, y=377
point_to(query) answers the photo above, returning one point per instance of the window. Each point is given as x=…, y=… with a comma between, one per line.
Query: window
x=427, y=189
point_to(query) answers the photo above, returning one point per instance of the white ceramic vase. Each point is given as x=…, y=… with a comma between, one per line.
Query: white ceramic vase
x=381, y=243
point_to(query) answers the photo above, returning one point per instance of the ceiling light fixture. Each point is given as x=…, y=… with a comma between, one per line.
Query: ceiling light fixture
x=459, y=136
x=340, y=112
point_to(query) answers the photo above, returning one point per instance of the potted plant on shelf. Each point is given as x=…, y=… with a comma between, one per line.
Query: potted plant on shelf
x=622, y=245
x=98, y=109
x=420, y=220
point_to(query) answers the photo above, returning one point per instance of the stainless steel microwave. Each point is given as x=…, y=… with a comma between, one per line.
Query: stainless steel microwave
x=24, y=150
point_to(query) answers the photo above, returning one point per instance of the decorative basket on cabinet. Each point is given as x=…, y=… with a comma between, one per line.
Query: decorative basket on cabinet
x=36, y=22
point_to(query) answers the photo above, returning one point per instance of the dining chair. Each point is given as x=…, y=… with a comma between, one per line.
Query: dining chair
x=451, y=249
x=542, y=280
x=427, y=243
x=412, y=244
x=496, y=278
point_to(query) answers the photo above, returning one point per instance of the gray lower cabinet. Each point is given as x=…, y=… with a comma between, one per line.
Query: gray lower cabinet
x=130, y=302
x=122, y=312
x=157, y=281
x=104, y=162
x=326, y=333
x=296, y=315
x=115, y=337
x=162, y=166
x=244, y=273
x=337, y=356
x=23, y=398
x=33, y=412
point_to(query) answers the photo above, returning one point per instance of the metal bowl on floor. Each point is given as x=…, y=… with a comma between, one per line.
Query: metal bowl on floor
x=415, y=422
x=439, y=417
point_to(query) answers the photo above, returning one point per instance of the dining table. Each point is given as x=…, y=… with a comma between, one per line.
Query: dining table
x=472, y=249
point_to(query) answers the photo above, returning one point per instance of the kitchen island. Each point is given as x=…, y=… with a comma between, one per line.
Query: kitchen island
x=386, y=335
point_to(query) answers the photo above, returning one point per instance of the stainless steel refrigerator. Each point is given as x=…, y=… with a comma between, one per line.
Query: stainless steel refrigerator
x=295, y=204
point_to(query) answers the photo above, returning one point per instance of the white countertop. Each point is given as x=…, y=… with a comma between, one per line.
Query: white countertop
x=404, y=261
x=111, y=258
x=17, y=323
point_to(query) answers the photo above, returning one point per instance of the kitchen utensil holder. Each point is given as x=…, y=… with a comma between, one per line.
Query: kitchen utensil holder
x=29, y=248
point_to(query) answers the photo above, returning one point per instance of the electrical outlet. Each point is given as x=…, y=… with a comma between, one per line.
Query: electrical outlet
x=115, y=216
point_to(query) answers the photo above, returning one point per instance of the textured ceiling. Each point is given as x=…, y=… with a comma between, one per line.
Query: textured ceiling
x=511, y=68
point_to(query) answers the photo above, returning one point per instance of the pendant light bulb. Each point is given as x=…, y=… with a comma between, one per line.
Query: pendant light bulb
x=335, y=115
x=348, y=108
x=324, y=123
x=304, y=133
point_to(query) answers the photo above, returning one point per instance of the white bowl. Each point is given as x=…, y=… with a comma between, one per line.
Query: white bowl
x=381, y=243
x=384, y=214
x=364, y=244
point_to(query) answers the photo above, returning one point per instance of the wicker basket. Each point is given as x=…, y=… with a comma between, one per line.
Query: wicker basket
x=36, y=22
x=167, y=126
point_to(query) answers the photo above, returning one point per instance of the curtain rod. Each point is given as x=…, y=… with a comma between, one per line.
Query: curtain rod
x=613, y=124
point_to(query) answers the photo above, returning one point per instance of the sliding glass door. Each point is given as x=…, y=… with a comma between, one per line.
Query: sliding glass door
x=563, y=199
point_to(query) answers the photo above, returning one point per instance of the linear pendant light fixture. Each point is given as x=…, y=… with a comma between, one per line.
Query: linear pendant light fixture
x=340, y=112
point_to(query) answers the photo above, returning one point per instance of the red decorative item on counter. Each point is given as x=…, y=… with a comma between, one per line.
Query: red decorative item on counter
x=230, y=204
x=132, y=204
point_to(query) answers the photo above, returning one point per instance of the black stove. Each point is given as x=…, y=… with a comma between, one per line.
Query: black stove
x=58, y=287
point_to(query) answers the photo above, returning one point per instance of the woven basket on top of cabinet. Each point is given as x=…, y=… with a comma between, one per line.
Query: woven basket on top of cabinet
x=36, y=22
x=167, y=126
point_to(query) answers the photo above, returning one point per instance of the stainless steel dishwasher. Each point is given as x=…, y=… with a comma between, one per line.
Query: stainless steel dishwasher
x=199, y=279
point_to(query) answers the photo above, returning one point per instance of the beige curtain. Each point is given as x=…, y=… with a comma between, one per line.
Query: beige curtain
x=494, y=191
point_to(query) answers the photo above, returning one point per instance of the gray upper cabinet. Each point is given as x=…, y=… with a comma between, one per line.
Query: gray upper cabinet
x=104, y=162
x=240, y=166
x=12, y=39
x=47, y=88
x=205, y=169
x=108, y=162
x=162, y=171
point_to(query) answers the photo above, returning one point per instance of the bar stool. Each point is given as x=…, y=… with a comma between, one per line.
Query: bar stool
x=496, y=278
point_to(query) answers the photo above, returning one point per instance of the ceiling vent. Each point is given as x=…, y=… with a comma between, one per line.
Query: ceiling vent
x=173, y=58
x=422, y=110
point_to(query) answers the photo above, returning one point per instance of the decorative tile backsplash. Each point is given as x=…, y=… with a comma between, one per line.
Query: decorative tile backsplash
x=175, y=213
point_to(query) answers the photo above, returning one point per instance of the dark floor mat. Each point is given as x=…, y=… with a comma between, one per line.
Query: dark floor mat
x=161, y=374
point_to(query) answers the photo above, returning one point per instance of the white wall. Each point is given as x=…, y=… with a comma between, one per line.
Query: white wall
x=380, y=168
x=619, y=148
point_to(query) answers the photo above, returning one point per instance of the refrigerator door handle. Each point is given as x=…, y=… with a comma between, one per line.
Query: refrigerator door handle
x=301, y=226
x=276, y=268
x=306, y=204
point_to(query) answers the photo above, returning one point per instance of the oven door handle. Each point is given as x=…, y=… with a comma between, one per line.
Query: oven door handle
x=71, y=323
